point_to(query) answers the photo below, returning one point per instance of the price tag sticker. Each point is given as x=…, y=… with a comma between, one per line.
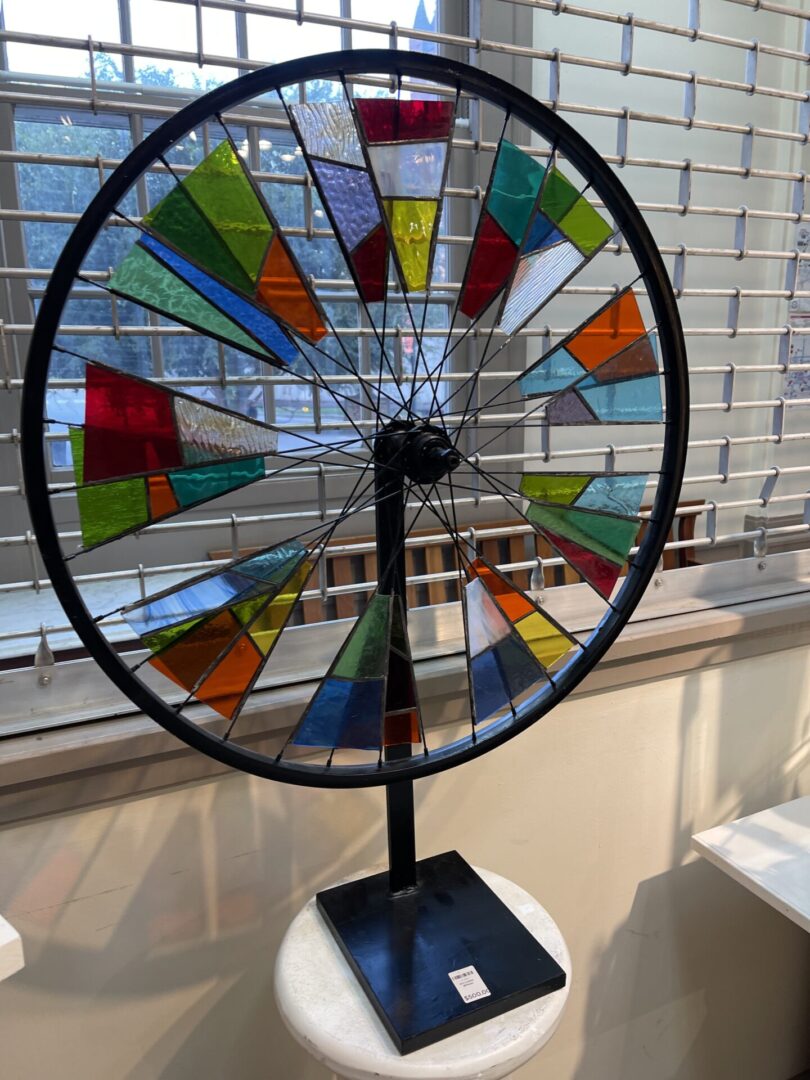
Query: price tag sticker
x=469, y=984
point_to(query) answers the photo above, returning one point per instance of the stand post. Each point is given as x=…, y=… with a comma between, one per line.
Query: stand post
x=389, y=491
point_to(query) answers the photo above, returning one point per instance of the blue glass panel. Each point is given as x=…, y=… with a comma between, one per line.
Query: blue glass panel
x=191, y=486
x=552, y=374
x=344, y=713
x=542, y=233
x=617, y=494
x=273, y=565
x=519, y=668
x=350, y=198
x=489, y=692
x=626, y=402
x=256, y=322
x=191, y=602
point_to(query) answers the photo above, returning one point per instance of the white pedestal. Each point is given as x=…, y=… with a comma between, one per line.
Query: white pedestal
x=327, y=1011
x=11, y=950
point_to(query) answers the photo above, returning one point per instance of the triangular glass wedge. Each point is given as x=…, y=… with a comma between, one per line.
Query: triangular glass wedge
x=605, y=535
x=553, y=373
x=538, y=277
x=369, y=261
x=410, y=225
x=501, y=666
x=617, y=493
x=569, y=409
x=207, y=434
x=408, y=170
x=350, y=198
x=179, y=221
x=347, y=708
x=546, y=639
x=560, y=488
x=281, y=288
x=601, y=574
x=492, y=260
x=145, y=279
x=222, y=190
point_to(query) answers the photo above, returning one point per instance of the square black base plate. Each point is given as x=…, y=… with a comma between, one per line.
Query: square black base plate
x=402, y=948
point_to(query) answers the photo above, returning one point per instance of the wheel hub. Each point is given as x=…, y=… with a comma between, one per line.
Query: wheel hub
x=420, y=451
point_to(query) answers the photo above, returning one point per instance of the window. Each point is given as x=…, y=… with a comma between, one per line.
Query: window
x=706, y=117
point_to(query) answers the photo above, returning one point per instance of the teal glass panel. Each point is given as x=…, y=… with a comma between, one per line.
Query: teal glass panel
x=275, y=565
x=515, y=185
x=616, y=494
x=552, y=374
x=191, y=486
x=627, y=402
x=365, y=653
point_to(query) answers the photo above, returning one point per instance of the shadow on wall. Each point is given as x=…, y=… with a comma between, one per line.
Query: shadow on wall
x=699, y=964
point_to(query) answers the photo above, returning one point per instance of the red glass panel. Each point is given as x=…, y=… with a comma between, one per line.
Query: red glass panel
x=397, y=121
x=493, y=259
x=401, y=723
x=599, y=572
x=370, y=259
x=129, y=427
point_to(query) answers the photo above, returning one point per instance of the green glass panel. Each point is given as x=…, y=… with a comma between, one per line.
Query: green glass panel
x=159, y=640
x=585, y=227
x=142, y=278
x=248, y=609
x=548, y=487
x=559, y=195
x=515, y=184
x=226, y=196
x=106, y=510
x=195, y=485
x=610, y=537
x=365, y=652
x=178, y=219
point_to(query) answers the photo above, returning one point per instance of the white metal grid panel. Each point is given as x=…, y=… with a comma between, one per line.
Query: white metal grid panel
x=708, y=127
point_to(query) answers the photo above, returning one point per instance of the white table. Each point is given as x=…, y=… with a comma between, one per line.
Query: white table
x=11, y=950
x=768, y=853
x=327, y=1011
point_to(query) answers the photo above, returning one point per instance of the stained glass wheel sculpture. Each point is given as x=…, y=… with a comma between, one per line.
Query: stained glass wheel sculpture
x=249, y=235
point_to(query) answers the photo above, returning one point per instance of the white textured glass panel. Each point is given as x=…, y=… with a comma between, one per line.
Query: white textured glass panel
x=537, y=279
x=409, y=169
x=206, y=434
x=485, y=624
x=328, y=131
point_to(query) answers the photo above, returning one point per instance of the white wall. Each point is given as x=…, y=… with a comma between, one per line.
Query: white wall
x=150, y=924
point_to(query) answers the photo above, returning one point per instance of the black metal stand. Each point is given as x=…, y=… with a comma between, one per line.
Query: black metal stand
x=431, y=944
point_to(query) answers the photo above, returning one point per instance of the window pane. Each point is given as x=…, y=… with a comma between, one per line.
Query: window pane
x=165, y=25
x=79, y=19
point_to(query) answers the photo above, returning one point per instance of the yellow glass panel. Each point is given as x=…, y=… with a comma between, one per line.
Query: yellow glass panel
x=268, y=625
x=411, y=224
x=543, y=638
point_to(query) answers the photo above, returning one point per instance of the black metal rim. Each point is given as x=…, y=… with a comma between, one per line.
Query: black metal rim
x=637, y=236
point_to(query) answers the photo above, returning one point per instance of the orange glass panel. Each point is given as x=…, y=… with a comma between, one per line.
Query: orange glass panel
x=225, y=687
x=617, y=327
x=401, y=728
x=281, y=289
x=161, y=496
x=401, y=719
x=513, y=603
x=194, y=653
